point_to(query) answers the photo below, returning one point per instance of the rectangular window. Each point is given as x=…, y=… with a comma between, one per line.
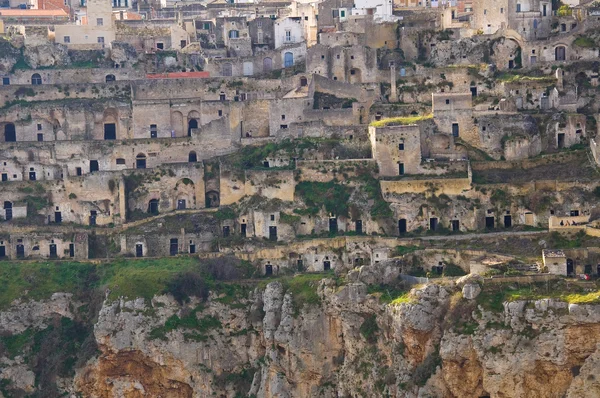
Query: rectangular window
x=335, y=13
x=120, y=161
x=160, y=46
x=153, y=131
x=401, y=146
x=6, y=81
x=259, y=24
x=501, y=10
x=283, y=126
x=67, y=39
x=40, y=137
x=484, y=12
x=518, y=8
x=220, y=112
x=39, y=126
x=99, y=21
x=343, y=13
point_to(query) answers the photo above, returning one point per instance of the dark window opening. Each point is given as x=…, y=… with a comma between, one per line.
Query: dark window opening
x=10, y=133
x=110, y=131
x=358, y=226
x=433, y=223
x=455, y=129
x=226, y=231
x=153, y=206
x=243, y=230
x=489, y=222
x=455, y=225
x=57, y=217
x=20, y=251
x=139, y=250
x=93, y=215
x=268, y=270
x=174, y=247
x=273, y=233
x=402, y=226
x=53, y=251
x=71, y=250
x=94, y=166
x=333, y=225
x=326, y=265
x=507, y=221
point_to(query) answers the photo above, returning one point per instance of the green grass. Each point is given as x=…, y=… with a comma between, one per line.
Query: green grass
x=584, y=41
x=404, y=298
x=199, y=327
x=303, y=288
x=402, y=250
x=512, y=78
x=386, y=293
x=124, y=277
x=492, y=297
x=402, y=120
x=316, y=195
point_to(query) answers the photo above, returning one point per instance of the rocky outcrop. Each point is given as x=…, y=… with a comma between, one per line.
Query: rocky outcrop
x=329, y=339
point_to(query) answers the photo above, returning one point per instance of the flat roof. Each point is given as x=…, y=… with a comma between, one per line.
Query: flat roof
x=553, y=253
x=33, y=13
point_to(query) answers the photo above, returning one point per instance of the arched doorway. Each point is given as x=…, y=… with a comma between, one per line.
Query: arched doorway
x=10, y=133
x=303, y=81
x=267, y=64
x=288, y=60
x=185, y=194
x=192, y=157
x=110, y=78
x=192, y=124
x=560, y=53
x=36, y=79
x=140, y=161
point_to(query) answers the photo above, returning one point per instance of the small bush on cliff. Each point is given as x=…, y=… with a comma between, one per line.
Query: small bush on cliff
x=331, y=195
x=186, y=285
x=369, y=329
x=427, y=368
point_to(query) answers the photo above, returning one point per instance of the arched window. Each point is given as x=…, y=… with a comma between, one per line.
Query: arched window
x=110, y=78
x=192, y=157
x=36, y=79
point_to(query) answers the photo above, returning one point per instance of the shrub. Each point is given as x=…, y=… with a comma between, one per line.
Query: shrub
x=369, y=329
x=187, y=284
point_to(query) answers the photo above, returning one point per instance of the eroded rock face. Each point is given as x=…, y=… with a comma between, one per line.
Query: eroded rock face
x=350, y=344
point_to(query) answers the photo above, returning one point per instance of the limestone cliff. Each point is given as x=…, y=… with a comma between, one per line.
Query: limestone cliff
x=340, y=339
